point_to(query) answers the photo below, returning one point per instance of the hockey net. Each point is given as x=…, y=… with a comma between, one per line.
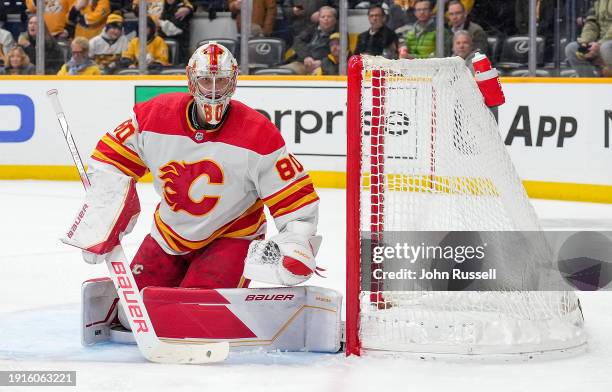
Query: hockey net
x=424, y=154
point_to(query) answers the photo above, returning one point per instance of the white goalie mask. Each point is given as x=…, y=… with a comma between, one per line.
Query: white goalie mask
x=212, y=72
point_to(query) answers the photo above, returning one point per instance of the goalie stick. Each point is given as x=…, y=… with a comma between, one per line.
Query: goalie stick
x=151, y=347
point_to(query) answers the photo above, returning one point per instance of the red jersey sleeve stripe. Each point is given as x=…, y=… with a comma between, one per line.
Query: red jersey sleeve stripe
x=287, y=190
x=305, y=192
x=104, y=159
x=122, y=149
x=120, y=156
x=308, y=199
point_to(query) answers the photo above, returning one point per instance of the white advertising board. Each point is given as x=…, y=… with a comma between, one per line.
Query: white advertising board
x=555, y=131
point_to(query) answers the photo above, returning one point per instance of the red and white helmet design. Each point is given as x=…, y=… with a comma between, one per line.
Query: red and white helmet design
x=212, y=72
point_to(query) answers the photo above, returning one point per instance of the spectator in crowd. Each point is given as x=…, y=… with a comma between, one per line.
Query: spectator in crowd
x=314, y=18
x=420, y=38
x=463, y=47
x=174, y=24
x=330, y=65
x=281, y=26
x=401, y=13
x=544, y=16
x=591, y=55
x=106, y=49
x=378, y=40
x=263, y=14
x=120, y=6
x=87, y=18
x=467, y=6
x=53, y=54
x=157, y=50
x=312, y=45
x=458, y=20
x=6, y=40
x=304, y=14
x=545, y=19
x=79, y=63
x=56, y=15
x=174, y=18
x=155, y=8
x=18, y=62
x=495, y=16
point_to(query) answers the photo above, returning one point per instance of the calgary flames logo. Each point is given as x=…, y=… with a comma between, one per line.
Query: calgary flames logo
x=179, y=180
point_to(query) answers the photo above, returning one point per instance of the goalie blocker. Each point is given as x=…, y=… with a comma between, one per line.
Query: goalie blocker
x=304, y=318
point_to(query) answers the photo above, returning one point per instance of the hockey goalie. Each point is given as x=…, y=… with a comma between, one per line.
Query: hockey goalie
x=215, y=164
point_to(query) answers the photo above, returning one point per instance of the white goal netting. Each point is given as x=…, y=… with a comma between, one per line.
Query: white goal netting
x=432, y=159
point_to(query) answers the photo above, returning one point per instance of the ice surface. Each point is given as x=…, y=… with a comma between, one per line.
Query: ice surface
x=40, y=282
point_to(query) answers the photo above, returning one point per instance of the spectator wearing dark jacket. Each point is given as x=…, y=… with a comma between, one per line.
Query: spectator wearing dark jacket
x=458, y=20
x=53, y=55
x=173, y=18
x=330, y=65
x=303, y=15
x=378, y=39
x=312, y=46
x=545, y=22
x=175, y=26
x=495, y=16
x=401, y=13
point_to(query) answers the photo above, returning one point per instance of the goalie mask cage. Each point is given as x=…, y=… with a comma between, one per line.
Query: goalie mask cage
x=424, y=154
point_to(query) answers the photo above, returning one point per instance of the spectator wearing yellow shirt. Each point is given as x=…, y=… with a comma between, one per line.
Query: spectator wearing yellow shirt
x=79, y=63
x=88, y=17
x=56, y=15
x=157, y=50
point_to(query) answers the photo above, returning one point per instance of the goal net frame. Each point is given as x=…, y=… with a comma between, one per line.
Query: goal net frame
x=367, y=175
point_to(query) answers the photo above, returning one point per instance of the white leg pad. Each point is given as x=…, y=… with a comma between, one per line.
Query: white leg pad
x=99, y=302
x=302, y=318
x=299, y=318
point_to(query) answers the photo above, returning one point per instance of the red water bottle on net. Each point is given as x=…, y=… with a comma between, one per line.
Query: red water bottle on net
x=488, y=82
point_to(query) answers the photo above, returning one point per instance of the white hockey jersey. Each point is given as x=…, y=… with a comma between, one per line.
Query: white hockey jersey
x=212, y=183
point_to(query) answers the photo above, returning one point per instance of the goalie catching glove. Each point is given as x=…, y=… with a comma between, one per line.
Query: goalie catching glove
x=287, y=258
x=110, y=211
